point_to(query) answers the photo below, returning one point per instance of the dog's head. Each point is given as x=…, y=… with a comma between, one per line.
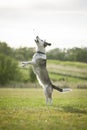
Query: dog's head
x=41, y=43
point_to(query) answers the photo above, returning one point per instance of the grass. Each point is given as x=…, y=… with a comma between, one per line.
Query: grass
x=25, y=109
x=68, y=69
x=71, y=72
x=69, y=63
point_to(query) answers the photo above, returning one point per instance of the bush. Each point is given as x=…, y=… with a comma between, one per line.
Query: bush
x=8, y=69
x=32, y=76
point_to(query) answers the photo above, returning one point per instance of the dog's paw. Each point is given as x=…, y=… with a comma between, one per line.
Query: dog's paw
x=24, y=62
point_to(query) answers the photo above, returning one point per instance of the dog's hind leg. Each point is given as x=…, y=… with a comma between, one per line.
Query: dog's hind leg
x=48, y=100
x=48, y=95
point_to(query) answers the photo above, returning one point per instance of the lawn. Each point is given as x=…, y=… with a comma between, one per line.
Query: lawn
x=69, y=69
x=25, y=109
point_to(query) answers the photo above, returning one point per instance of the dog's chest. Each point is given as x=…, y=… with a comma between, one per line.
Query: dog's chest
x=39, y=60
x=38, y=56
x=40, y=64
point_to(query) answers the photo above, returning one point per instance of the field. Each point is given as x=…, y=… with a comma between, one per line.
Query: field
x=72, y=72
x=22, y=105
x=25, y=109
x=64, y=73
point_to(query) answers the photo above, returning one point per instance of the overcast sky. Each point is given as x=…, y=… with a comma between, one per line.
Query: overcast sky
x=61, y=22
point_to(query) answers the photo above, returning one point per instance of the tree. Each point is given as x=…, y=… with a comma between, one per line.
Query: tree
x=5, y=49
x=73, y=54
x=32, y=76
x=8, y=69
x=24, y=53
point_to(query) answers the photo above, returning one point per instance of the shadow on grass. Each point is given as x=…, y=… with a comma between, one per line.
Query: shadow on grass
x=74, y=110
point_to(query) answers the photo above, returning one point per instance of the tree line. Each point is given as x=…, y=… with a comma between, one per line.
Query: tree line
x=73, y=54
x=20, y=54
x=9, y=58
x=25, y=53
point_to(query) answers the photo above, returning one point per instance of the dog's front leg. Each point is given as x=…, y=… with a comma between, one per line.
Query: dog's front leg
x=28, y=62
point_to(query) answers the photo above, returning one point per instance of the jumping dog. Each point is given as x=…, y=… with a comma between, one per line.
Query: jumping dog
x=39, y=67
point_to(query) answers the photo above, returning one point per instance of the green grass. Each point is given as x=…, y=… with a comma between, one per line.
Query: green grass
x=68, y=63
x=71, y=72
x=25, y=109
x=55, y=77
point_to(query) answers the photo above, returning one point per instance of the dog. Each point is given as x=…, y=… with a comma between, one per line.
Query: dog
x=39, y=67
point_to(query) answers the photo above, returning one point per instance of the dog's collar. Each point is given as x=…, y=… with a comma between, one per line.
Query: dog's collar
x=40, y=52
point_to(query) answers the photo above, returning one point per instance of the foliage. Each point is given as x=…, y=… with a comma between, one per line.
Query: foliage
x=56, y=54
x=8, y=69
x=19, y=54
x=5, y=49
x=25, y=53
x=32, y=76
x=74, y=54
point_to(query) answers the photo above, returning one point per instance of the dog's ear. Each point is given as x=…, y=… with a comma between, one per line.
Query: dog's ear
x=49, y=44
x=46, y=43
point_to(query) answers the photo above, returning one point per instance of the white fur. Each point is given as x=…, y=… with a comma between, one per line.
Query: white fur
x=38, y=56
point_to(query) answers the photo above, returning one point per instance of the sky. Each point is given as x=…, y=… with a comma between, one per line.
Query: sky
x=60, y=22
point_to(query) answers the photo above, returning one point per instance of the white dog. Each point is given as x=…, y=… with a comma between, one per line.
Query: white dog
x=39, y=66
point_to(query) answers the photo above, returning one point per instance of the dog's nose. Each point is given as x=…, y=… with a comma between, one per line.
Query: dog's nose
x=37, y=37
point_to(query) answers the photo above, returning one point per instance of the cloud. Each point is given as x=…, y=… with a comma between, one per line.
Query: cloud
x=13, y=3
x=45, y=4
x=59, y=5
x=17, y=8
x=57, y=20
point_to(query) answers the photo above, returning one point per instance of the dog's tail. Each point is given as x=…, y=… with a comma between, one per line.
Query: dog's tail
x=61, y=89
